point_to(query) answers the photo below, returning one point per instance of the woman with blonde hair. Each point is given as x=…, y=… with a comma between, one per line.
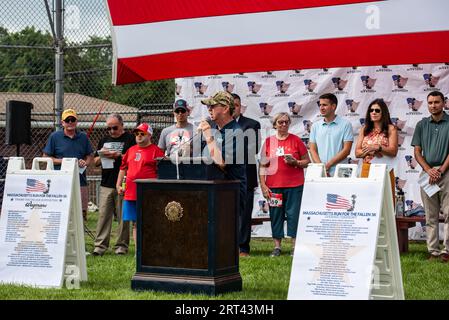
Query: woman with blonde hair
x=283, y=159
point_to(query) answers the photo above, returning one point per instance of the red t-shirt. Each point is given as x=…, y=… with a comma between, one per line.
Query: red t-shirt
x=140, y=164
x=280, y=174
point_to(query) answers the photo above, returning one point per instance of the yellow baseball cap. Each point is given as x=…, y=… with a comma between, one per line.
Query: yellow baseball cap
x=69, y=113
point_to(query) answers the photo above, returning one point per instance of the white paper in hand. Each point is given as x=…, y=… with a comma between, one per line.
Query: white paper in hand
x=429, y=189
x=107, y=163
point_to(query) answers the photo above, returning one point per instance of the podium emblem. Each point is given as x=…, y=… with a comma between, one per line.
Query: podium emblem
x=173, y=211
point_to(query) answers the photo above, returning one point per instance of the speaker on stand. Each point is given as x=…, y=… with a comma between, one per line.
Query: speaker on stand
x=18, y=123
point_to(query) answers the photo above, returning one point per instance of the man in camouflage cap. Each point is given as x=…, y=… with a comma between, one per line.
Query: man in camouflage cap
x=220, y=98
x=222, y=143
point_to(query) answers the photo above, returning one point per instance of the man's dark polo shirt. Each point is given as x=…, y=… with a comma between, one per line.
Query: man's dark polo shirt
x=433, y=138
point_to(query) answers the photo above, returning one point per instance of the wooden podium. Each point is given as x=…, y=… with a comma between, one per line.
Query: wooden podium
x=187, y=236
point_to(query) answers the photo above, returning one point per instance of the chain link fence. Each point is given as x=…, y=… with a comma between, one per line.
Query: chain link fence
x=27, y=73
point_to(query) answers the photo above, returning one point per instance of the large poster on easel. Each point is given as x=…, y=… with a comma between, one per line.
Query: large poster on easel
x=39, y=237
x=33, y=216
x=339, y=223
x=346, y=245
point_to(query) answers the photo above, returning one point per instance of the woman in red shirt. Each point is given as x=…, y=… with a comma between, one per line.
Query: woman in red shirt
x=283, y=158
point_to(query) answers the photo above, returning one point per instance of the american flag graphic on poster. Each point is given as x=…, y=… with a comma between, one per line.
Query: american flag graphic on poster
x=34, y=185
x=335, y=201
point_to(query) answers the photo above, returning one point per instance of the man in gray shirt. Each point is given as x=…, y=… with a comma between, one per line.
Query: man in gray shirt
x=431, y=143
x=178, y=137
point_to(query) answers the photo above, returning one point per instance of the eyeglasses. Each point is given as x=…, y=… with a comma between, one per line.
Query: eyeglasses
x=140, y=134
x=70, y=119
x=115, y=128
x=180, y=111
x=374, y=110
x=282, y=122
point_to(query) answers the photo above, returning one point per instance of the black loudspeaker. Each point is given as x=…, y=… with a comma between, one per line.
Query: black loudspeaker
x=18, y=122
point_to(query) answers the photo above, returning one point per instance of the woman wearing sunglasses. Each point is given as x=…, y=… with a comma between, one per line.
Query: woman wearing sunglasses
x=377, y=138
x=283, y=159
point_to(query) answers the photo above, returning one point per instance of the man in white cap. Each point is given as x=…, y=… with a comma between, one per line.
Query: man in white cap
x=139, y=162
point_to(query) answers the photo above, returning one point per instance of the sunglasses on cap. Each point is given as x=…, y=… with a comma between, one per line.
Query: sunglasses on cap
x=374, y=110
x=70, y=119
x=140, y=134
x=115, y=128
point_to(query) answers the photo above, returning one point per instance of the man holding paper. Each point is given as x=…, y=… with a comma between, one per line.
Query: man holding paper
x=431, y=143
x=109, y=156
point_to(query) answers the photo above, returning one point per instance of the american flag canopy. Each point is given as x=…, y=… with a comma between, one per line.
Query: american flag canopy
x=176, y=38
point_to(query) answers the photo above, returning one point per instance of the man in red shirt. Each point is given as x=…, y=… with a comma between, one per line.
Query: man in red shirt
x=137, y=163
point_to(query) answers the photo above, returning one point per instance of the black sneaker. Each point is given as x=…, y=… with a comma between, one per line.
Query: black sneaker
x=276, y=252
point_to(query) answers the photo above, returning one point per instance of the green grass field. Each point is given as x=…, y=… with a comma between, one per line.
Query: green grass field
x=263, y=277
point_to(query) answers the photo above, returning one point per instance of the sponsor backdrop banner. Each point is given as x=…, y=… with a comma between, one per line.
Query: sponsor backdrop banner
x=403, y=87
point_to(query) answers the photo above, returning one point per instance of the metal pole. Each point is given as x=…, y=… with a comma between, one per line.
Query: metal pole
x=59, y=63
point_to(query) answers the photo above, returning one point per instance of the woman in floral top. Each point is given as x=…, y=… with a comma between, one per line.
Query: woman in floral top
x=377, y=138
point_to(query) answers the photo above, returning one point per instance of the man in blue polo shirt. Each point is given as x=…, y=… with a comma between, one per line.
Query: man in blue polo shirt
x=431, y=146
x=71, y=143
x=330, y=138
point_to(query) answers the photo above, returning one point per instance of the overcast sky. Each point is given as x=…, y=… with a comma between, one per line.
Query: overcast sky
x=82, y=18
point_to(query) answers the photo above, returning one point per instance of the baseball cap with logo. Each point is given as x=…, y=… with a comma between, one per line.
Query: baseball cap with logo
x=145, y=127
x=180, y=104
x=221, y=97
x=69, y=113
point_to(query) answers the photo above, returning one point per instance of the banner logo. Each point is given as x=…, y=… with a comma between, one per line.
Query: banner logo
x=399, y=124
x=200, y=88
x=307, y=125
x=294, y=108
x=399, y=82
x=400, y=183
x=265, y=108
x=339, y=83
x=282, y=87
x=430, y=80
x=310, y=85
x=368, y=83
x=352, y=105
x=411, y=162
x=414, y=104
x=227, y=86
x=254, y=87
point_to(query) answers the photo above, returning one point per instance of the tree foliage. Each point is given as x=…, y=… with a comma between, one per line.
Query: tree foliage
x=27, y=64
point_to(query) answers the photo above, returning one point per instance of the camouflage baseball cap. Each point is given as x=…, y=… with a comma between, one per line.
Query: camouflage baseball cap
x=221, y=97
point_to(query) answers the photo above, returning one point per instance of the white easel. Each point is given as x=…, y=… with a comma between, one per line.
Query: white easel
x=346, y=245
x=41, y=226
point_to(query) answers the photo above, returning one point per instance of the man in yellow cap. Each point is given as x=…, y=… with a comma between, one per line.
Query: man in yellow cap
x=71, y=143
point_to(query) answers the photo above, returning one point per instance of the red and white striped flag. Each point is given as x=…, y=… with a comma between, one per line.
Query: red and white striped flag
x=173, y=38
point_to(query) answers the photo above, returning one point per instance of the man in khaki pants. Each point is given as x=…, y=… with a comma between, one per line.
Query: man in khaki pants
x=109, y=156
x=431, y=143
